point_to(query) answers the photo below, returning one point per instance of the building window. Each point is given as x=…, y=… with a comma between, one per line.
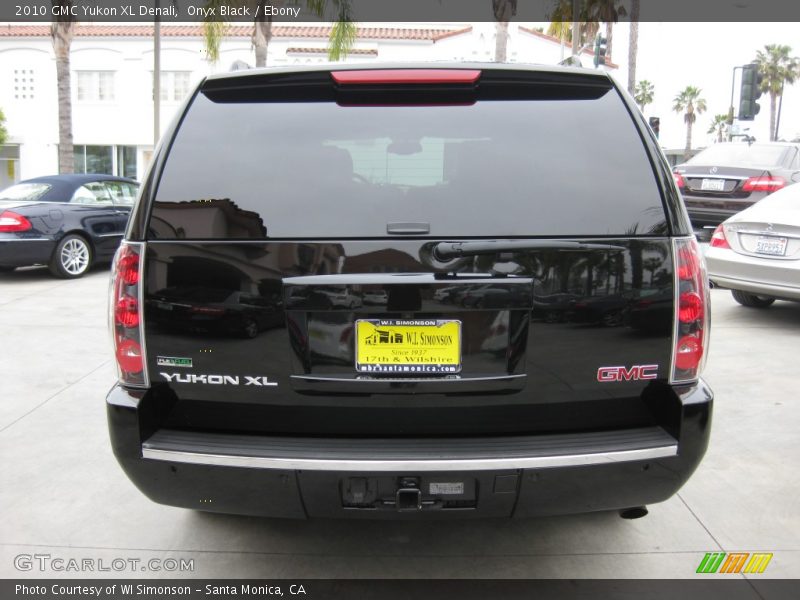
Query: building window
x=23, y=84
x=174, y=85
x=95, y=86
x=111, y=160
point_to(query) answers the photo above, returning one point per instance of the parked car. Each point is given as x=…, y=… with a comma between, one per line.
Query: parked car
x=726, y=178
x=414, y=408
x=756, y=253
x=67, y=222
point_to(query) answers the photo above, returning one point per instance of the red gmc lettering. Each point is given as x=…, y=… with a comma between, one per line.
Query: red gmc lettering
x=634, y=373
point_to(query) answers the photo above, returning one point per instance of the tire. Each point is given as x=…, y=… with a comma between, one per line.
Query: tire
x=250, y=329
x=6, y=269
x=71, y=258
x=751, y=300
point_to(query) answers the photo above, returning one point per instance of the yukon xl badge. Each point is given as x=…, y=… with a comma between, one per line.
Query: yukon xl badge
x=634, y=373
x=218, y=379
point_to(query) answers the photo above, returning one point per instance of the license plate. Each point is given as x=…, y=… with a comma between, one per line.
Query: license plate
x=774, y=246
x=408, y=346
x=713, y=185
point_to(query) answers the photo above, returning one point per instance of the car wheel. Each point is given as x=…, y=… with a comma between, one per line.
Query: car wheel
x=752, y=300
x=250, y=329
x=72, y=257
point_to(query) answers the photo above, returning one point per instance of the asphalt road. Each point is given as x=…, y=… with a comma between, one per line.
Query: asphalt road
x=62, y=494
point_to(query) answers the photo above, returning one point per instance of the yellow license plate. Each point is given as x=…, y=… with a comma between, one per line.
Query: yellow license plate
x=408, y=346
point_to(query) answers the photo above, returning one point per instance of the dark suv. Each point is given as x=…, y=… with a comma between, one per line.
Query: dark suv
x=398, y=228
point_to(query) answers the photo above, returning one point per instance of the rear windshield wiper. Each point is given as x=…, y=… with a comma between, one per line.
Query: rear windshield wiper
x=450, y=250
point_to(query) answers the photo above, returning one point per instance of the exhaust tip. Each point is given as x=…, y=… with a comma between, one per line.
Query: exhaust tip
x=636, y=512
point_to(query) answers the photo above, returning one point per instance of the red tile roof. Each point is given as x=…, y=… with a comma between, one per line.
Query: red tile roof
x=551, y=38
x=280, y=31
x=352, y=52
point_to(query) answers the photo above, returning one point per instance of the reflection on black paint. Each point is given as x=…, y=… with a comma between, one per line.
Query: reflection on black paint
x=205, y=219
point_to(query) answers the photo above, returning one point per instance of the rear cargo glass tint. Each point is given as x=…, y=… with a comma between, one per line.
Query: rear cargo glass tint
x=541, y=167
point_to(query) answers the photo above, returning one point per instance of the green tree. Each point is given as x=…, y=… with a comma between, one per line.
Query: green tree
x=643, y=93
x=689, y=100
x=503, y=11
x=3, y=131
x=719, y=126
x=62, y=30
x=778, y=69
x=341, y=39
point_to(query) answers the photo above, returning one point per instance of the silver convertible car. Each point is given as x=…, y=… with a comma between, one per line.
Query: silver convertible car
x=756, y=253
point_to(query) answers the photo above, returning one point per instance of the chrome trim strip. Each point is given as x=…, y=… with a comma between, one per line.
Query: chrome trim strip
x=792, y=236
x=714, y=176
x=25, y=240
x=415, y=465
x=105, y=235
x=364, y=377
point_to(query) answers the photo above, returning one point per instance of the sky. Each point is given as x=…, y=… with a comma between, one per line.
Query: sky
x=674, y=55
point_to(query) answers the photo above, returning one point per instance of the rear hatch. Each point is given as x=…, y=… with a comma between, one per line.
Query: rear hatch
x=405, y=253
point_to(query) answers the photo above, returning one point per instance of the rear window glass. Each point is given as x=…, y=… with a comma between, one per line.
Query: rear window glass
x=243, y=170
x=25, y=191
x=740, y=155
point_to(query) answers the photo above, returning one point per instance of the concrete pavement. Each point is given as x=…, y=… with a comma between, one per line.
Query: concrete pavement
x=63, y=495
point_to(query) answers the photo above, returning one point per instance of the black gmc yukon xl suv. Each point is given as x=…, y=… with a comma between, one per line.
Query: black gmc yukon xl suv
x=406, y=291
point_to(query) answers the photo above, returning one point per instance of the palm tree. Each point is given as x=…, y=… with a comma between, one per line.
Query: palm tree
x=633, y=45
x=643, y=93
x=719, y=126
x=342, y=36
x=608, y=12
x=689, y=100
x=61, y=30
x=561, y=20
x=3, y=131
x=503, y=11
x=778, y=69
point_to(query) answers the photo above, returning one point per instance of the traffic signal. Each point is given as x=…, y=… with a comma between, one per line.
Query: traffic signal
x=599, y=50
x=655, y=125
x=749, y=92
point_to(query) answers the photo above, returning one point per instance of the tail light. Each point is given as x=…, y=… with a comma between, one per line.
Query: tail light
x=126, y=311
x=11, y=222
x=679, y=181
x=718, y=239
x=767, y=184
x=691, y=312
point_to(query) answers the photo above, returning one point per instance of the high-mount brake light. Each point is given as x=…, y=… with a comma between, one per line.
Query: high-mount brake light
x=126, y=312
x=11, y=222
x=691, y=311
x=406, y=76
x=718, y=239
x=764, y=184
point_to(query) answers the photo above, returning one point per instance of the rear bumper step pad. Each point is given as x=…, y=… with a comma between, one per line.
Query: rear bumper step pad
x=417, y=455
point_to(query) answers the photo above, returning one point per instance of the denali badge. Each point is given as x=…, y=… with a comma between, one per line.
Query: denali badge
x=217, y=379
x=633, y=373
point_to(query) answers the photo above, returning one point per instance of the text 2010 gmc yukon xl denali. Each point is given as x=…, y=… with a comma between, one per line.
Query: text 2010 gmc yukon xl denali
x=460, y=291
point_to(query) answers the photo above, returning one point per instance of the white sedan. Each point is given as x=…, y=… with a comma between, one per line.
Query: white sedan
x=756, y=253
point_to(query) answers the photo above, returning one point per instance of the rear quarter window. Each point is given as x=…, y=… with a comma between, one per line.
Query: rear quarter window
x=494, y=167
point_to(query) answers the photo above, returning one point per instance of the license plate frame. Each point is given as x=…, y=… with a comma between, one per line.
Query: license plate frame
x=402, y=348
x=771, y=245
x=712, y=185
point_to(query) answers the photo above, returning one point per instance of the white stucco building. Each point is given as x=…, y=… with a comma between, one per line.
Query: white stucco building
x=112, y=69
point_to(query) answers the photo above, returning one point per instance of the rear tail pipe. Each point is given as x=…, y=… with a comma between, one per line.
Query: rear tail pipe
x=635, y=512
